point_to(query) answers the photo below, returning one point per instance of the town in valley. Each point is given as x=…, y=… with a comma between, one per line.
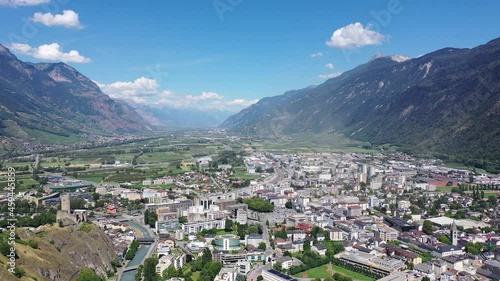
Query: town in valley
x=192, y=206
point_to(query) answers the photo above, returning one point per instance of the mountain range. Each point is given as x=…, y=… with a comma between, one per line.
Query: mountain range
x=53, y=102
x=445, y=103
x=178, y=117
x=55, y=99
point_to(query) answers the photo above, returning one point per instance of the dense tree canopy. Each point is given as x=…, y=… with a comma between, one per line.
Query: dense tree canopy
x=259, y=205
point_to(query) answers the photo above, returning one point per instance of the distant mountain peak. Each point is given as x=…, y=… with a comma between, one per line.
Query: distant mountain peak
x=5, y=52
x=60, y=101
x=64, y=73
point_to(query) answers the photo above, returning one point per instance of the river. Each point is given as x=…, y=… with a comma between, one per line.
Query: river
x=140, y=255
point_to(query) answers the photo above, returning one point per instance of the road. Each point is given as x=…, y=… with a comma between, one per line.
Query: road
x=252, y=275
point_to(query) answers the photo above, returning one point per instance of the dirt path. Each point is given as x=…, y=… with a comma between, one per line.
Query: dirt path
x=329, y=267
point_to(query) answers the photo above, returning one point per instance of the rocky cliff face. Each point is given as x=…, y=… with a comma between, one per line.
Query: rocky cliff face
x=62, y=253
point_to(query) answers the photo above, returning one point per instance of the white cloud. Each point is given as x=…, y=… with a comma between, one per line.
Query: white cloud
x=355, y=35
x=329, y=65
x=139, y=88
x=318, y=54
x=146, y=91
x=242, y=103
x=184, y=101
x=68, y=19
x=331, y=75
x=48, y=52
x=16, y=3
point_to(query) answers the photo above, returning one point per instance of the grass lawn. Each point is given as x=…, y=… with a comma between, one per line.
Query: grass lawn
x=222, y=232
x=92, y=179
x=157, y=157
x=444, y=188
x=195, y=275
x=16, y=164
x=241, y=172
x=487, y=194
x=352, y=274
x=317, y=272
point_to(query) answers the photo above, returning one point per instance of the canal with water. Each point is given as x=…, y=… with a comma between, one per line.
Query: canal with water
x=139, y=255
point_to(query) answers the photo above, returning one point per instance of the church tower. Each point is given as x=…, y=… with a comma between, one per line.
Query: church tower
x=454, y=234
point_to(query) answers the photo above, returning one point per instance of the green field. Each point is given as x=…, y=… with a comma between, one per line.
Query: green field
x=222, y=232
x=92, y=179
x=325, y=142
x=84, y=161
x=17, y=164
x=317, y=272
x=444, y=188
x=322, y=272
x=241, y=172
x=486, y=195
x=352, y=274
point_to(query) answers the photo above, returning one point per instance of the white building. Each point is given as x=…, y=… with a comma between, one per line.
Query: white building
x=403, y=204
x=176, y=258
x=195, y=227
x=254, y=239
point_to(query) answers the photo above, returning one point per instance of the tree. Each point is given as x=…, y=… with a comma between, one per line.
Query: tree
x=259, y=205
x=493, y=200
x=444, y=239
x=138, y=274
x=149, y=270
x=183, y=219
x=281, y=234
x=260, y=278
x=229, y=225
x=210, y=270
x=169, y=272
x=150, y=218
x=277, y=266
x=426, y=279
x=253, y=229
x=89, y=274
x=288, y=205
x=307, y=246
x=262, y=246
x=427, y=227
x=206, y=257
x=473, y=248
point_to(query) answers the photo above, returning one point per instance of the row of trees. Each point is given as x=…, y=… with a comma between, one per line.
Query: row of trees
x=132, y=250
x=47, y=216
x=471, y=187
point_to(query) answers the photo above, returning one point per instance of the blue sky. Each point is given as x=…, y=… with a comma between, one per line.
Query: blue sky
x=216, y=54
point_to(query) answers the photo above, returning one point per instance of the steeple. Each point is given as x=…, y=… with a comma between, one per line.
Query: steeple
x=454, y=234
